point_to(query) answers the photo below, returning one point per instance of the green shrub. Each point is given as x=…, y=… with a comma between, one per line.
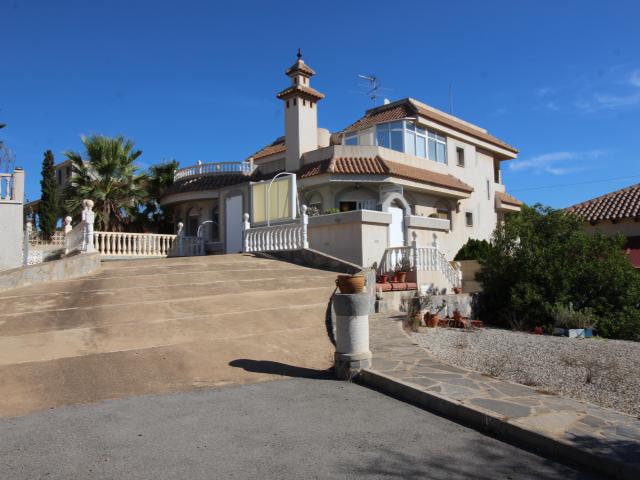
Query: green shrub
x=541, y=257
x=473, y=250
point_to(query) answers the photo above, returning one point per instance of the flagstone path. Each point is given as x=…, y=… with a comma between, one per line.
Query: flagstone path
x=600, y=431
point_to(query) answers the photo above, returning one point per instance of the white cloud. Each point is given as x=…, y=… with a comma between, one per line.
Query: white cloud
x=634, y=79
x=556, y=163
x=543, y=91
x=608, y=101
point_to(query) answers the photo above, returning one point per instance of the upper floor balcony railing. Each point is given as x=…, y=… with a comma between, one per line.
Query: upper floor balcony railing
x=214, y=168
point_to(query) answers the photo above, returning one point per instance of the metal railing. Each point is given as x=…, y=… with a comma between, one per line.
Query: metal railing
x=213, y=168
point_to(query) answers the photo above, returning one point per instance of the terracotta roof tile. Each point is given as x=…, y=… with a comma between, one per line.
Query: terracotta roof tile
x=277, y=146
x=300, y=66
x=406, y=108
x=206, y=182
x=508, y=199
x=301, y=90
x=624, y=203
x=378, y=166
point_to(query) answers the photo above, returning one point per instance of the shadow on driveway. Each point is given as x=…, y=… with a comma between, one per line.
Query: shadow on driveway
x=278, y=368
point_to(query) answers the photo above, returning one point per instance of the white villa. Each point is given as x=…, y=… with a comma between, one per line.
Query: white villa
x=405, y=172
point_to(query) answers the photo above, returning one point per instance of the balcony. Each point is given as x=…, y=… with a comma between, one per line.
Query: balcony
x=215, y=168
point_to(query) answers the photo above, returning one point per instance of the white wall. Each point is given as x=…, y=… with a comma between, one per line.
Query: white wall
x=359, y=237
x=11, y=218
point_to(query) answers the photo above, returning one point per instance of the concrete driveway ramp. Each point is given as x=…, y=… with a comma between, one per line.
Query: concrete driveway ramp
x=152, y=326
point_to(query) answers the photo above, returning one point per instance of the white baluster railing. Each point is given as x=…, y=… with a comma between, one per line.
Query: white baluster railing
x=124, y=244
x=290, y=236
x=421, y=259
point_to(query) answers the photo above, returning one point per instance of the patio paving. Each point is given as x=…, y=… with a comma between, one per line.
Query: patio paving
x=603, y=434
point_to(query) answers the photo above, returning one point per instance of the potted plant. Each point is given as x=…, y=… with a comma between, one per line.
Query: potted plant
x=351, y=284
x=402, y=268
x=432, y=316
x=457, y=290
x=573, y=323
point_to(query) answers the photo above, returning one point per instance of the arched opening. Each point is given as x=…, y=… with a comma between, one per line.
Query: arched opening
x=314, y=204
x=397, y=229
x=193, y=220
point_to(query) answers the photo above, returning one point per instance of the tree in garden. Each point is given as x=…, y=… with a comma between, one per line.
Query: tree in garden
x=541, y=258
x=473, y=250
x=107, y=175
x=49, y=210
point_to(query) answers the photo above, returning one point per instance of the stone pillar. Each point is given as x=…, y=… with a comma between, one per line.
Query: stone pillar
x=28, y=229
x=67, y=225
x=180, y=239
x=245, y=228
x=304, y=219
x=88, y=219
x=352, y=333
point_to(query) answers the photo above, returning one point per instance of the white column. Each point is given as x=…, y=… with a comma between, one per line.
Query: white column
x=245, y=232
x=305, y=222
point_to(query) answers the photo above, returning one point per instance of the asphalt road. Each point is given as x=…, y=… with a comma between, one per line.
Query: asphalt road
x=290, y=429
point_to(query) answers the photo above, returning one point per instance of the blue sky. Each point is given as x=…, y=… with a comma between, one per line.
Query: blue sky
x=196, y=80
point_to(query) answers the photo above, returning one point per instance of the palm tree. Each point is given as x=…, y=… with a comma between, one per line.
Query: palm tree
x=107, y=175
x=156, y=181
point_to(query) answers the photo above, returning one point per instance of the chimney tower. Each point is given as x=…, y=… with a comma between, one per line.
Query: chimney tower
x=300, y=113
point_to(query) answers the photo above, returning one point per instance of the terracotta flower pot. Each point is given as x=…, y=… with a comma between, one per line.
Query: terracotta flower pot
x=431, y=319
x=401, y=277
x=457, y=290
x=383, y=278
x=350, y=283
x=456, y=315
x=538, y=330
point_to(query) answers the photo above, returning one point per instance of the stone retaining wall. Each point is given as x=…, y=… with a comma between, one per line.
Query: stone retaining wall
x=67, y=268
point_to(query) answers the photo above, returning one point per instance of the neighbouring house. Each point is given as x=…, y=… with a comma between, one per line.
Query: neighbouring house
x=615, y=213
x=11, y=215
x=402, y=171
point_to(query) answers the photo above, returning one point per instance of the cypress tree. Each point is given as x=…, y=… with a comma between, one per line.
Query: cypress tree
x=49, y=201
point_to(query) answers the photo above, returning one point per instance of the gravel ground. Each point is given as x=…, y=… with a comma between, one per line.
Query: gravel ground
x=604, y=372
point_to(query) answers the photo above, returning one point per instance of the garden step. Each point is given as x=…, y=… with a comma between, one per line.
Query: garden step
x=133, y=335
x=61, y=317
x=139, y=293
x=168, y=278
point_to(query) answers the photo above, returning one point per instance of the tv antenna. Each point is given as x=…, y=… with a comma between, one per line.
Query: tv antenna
x=374, y=87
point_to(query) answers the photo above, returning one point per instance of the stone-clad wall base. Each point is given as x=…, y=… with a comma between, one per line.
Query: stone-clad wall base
x=65, y=269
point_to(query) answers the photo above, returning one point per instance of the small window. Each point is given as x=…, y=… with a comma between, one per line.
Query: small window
x=460, y=152
x=488, y=190
x=287, y=103
x=295, y=102
x=304, y=102
x=469, y=218
x=351, y=140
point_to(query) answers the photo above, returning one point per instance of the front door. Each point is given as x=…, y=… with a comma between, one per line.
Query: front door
x=396, y=229
x=233, y=224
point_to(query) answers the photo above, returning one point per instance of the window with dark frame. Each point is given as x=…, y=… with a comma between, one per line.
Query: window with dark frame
x=469, y=219
x=460, y=153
